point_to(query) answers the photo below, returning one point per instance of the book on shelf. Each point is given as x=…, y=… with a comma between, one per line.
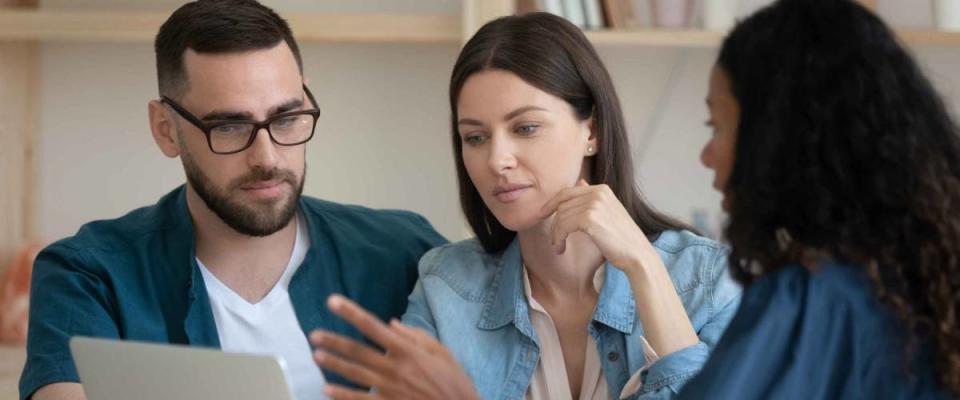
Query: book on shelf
x=573, y=12
x=587, y=14
x=592, y=14
x=554, y=7
x=619, y=14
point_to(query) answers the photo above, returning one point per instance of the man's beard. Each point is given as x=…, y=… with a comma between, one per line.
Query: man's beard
x=258, y=219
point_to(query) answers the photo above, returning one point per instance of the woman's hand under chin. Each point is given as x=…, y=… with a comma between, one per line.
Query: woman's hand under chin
x=596, y=211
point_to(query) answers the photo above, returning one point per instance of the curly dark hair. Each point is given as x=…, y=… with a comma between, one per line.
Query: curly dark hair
x=844, y=148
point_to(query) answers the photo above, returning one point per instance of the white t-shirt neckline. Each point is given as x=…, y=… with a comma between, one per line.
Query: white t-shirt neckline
x=277, y=293
x=269, y=326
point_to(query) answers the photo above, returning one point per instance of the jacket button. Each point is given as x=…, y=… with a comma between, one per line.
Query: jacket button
x=613, y=356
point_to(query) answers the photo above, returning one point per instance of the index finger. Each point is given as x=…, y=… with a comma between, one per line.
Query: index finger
x=368, y=324
x=418, y=336
x=564, y=195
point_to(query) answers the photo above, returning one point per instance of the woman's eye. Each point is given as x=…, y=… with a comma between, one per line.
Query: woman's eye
x=527, y=129
x=473, y=139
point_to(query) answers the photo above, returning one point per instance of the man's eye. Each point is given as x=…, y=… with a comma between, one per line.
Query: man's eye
x=232, y=129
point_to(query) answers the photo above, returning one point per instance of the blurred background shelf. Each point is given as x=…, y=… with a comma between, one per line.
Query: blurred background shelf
x=138, y=26
x=656, y=37
x=141, y=27
x=705, y=39
x=929, y=37
x=75, y=74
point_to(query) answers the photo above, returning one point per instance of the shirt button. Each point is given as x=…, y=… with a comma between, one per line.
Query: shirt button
x=613, y=356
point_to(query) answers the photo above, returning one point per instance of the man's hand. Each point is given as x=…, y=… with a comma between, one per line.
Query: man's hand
x=415, y=366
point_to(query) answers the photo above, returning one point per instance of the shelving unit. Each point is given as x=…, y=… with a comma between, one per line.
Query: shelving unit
x=702, y=38
x=115, y=26
x=18, y=127
x=24, y=25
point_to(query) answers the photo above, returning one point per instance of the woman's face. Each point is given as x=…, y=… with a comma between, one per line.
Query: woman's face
x=718, y=153
x=521, y=145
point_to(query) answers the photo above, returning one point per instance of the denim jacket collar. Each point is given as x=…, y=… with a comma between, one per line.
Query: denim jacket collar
x=505, y=301
x=617, y=307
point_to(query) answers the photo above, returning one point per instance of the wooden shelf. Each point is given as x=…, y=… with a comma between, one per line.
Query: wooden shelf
x=929, y=37
x=709, y=39
x=141, y=27
x=656, y=37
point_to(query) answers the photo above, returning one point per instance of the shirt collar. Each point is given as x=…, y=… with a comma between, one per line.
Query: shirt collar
x=598, y=278
x=506, y=301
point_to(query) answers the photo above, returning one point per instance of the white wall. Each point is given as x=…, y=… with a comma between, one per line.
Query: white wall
x=383, y=139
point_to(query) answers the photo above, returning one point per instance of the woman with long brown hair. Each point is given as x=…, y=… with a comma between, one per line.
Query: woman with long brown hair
x=574, y=288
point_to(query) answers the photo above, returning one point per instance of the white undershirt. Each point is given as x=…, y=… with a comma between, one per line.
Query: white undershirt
x=270, y=326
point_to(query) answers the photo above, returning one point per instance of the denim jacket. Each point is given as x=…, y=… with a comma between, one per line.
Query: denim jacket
x=474, y=303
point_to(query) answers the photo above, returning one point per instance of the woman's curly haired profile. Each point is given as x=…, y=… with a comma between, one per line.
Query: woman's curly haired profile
x=844, y=149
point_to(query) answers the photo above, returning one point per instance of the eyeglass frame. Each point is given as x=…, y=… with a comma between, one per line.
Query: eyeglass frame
x=206, y=127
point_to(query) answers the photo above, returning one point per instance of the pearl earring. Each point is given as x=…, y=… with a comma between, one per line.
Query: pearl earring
x=590, y=150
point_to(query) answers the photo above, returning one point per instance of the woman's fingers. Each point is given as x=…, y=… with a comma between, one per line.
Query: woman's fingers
x=357, y=351
x=352, y=371
x=561, y=197
x=368, y=324
x=404, y=331
x=420, y=337
x=574, y=219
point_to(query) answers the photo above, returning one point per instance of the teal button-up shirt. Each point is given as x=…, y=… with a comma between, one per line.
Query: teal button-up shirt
x=136, y=278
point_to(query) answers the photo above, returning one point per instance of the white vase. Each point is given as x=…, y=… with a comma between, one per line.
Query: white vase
x=719, y=15
x=946, y=15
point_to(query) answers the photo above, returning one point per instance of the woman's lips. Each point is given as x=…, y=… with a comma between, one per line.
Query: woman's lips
x=507, y=194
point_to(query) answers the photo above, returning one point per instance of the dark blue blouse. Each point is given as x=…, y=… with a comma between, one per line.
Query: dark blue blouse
x=820, y=335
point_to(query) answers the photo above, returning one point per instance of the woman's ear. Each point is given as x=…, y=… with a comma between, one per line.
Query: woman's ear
x=164, y=129
x=591, y=127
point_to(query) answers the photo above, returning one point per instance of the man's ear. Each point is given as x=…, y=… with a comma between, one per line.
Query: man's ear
x=164, y=129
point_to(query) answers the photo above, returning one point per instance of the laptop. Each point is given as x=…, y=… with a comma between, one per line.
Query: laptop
x=123, y=370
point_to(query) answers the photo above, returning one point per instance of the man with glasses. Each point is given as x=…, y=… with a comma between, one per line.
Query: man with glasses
x=236, y=258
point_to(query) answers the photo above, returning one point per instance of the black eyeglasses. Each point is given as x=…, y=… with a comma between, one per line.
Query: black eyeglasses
x=228, y=137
